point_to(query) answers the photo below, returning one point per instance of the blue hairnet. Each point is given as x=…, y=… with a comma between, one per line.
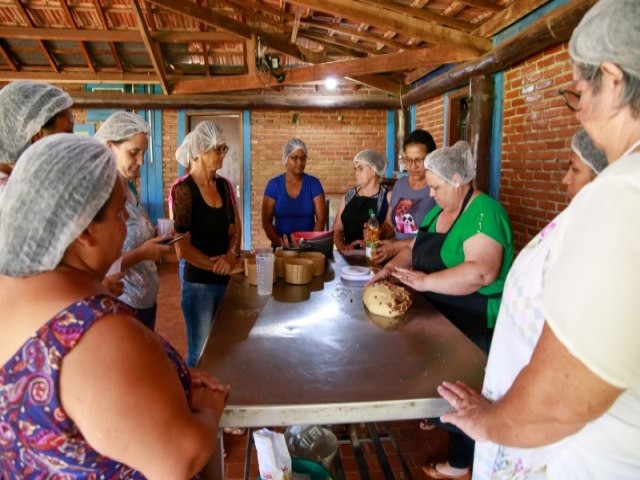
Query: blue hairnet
x=53, y=194
x=25, y=107
x=291, y=146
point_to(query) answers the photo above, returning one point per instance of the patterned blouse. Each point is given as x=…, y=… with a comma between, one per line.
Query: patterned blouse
x=37, y=439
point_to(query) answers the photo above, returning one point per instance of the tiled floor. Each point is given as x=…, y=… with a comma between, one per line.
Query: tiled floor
x=416, y=446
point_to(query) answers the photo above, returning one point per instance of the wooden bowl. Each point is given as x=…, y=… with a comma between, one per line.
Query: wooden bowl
x=250, y=268
x=318, y=262
x=281, y=256
x=298, y=271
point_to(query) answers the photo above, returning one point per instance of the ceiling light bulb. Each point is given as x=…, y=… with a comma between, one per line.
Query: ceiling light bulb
x=331, y=83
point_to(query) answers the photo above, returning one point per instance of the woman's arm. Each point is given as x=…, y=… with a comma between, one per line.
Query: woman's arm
x=152, y=249
x=481, y=266
x=553, y=397
x=123, y=393
x=386, y=229
x=338, y=228
x=320, y=205
x=268, y=212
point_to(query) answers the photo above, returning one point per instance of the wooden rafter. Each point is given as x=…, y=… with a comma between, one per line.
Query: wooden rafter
x=346, y=68
x=103, y=23
x=7, y=58
x=514, y=12
x=396, y=89
x=365, y=36
x=152, y=48
x=43, y=47
x=431, y=33
x=79, y=77
x=72, y=24
x=422, y=14
x=491, y=5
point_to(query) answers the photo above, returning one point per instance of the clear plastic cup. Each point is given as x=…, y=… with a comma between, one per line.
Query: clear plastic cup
x=264, y=273
x=165, y=227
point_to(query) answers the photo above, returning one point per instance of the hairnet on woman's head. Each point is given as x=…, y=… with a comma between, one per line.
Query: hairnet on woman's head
x=53, y=194
x=446, y=162
x=25, y=107
x=291, y=146
x=204, y=137
x=121, y=126
x=582, y=145
x=372, y=158
x=609, y=33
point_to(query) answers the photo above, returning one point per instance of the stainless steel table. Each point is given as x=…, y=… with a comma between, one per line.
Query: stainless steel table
x=313, y=354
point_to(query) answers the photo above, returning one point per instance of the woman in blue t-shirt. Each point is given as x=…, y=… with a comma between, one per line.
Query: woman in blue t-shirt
x=294, y=199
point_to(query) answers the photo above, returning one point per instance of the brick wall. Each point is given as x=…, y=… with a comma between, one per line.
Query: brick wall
x=536, y=139
x=333, y=137
x=537, y=131
x=430, y=117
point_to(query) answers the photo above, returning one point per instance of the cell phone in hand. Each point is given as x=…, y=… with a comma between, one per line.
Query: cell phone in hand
x=171, y=241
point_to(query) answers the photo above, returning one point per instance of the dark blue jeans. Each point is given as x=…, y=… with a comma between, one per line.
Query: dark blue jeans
x=199, y=302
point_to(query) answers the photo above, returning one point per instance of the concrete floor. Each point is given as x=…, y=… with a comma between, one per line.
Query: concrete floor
x=417, y=447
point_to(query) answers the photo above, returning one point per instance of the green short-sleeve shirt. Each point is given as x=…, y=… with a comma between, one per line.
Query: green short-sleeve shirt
x=482, y=215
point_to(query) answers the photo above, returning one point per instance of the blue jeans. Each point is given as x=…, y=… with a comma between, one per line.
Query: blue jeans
x=199, y=302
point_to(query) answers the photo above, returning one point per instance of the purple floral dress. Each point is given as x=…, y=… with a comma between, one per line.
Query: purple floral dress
x=37, y=439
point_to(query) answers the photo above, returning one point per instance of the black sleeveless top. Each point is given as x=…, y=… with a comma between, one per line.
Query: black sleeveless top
x=356, y=212
x=209, y=226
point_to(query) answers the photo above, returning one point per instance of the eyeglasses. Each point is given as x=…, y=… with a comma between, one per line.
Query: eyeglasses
x=222, y=149
x=571, y=99
x=408, y=160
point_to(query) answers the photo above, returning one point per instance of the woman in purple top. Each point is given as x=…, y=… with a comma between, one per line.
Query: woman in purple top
x=294, y=199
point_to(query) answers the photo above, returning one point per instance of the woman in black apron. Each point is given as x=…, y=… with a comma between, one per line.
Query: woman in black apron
x=470, y=226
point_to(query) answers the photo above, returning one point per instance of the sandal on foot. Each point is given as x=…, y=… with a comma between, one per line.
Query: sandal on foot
x=426, y=425
x=433, y=471
x=234, y=430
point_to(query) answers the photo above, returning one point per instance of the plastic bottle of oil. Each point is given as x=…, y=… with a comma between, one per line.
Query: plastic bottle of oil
x=372, y=234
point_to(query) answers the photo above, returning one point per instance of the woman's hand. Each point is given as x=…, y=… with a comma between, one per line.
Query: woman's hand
x=152, y=249
x=114, y=284
x=384, y=251
x=203, y=379
x=355, y=245
x=470, y=408
x=221, y=265
x=412, y=278
x=202, y=397
x=383, y=274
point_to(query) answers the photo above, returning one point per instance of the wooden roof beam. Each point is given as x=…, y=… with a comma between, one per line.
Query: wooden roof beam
x=435, y=56
x=105, y=25
x=78, y=77
x=43, y=47
x=423, y=14
x=7, y=58
x=514, y=12
x=394, y=20
x=152, y=47
x=364, y=36
x=72, y=24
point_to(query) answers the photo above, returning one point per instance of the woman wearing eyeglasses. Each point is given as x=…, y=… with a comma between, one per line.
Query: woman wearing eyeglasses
x=295, y=200
x=204, y=209
x=409, y=201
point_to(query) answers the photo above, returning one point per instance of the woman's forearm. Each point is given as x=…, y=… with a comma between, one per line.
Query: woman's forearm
x=463, y=279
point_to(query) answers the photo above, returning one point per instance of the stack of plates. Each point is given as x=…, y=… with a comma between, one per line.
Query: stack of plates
x=356, y=276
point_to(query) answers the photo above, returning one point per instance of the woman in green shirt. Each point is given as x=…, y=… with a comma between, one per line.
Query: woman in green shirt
x=458, y=261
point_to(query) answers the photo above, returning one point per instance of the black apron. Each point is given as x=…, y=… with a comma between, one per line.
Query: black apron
x=467, y=312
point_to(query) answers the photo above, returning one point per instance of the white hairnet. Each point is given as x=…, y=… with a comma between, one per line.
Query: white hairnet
x=53, y=194
x=121, y=126
x=372, y=158
x=446, y=162
x=609, y=33
x=25, y=107
x=204, y=137
x=582, y=145
x=291, y=146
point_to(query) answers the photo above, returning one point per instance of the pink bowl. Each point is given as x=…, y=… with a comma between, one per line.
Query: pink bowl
x=318, y=241
x=312, y=235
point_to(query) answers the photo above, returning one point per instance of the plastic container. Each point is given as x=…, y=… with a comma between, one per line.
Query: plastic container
x=372, y=234
x=311, y=468
x=265, y=272
x=316, y=241
x=251, y=272
x=311, y=442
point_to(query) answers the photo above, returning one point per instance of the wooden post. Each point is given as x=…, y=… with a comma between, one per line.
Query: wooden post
x=479, y=126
